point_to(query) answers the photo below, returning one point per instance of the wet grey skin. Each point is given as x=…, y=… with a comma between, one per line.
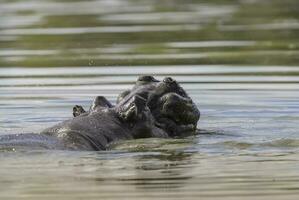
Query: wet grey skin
x=151, y=108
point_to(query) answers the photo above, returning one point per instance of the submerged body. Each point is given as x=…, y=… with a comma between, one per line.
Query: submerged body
x=151, y=108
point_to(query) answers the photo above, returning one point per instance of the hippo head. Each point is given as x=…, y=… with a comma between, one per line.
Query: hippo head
x=158, y=107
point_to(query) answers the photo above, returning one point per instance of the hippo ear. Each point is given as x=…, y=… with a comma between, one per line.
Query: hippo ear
x=133, y=111
x=78, y=110
x=101, y=102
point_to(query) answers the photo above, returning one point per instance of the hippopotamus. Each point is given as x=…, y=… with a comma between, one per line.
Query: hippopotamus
x=152, y=108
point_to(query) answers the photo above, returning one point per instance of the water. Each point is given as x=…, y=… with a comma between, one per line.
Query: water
x=238, y=60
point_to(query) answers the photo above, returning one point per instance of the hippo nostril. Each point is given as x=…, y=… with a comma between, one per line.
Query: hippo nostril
x=168, y=80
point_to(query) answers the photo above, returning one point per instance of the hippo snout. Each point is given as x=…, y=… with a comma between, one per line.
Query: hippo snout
x=180, y=109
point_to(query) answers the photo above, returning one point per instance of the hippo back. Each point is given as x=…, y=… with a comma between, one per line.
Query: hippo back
x=92, y=131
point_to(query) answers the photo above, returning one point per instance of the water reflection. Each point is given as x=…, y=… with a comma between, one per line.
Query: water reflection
x=128, y=175
x=51, y=33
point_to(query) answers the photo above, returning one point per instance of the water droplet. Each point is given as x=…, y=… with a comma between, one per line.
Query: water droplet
x=91, y=63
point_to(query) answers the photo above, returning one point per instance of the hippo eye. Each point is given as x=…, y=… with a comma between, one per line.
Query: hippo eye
x=168, y=80
x=147, y=79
